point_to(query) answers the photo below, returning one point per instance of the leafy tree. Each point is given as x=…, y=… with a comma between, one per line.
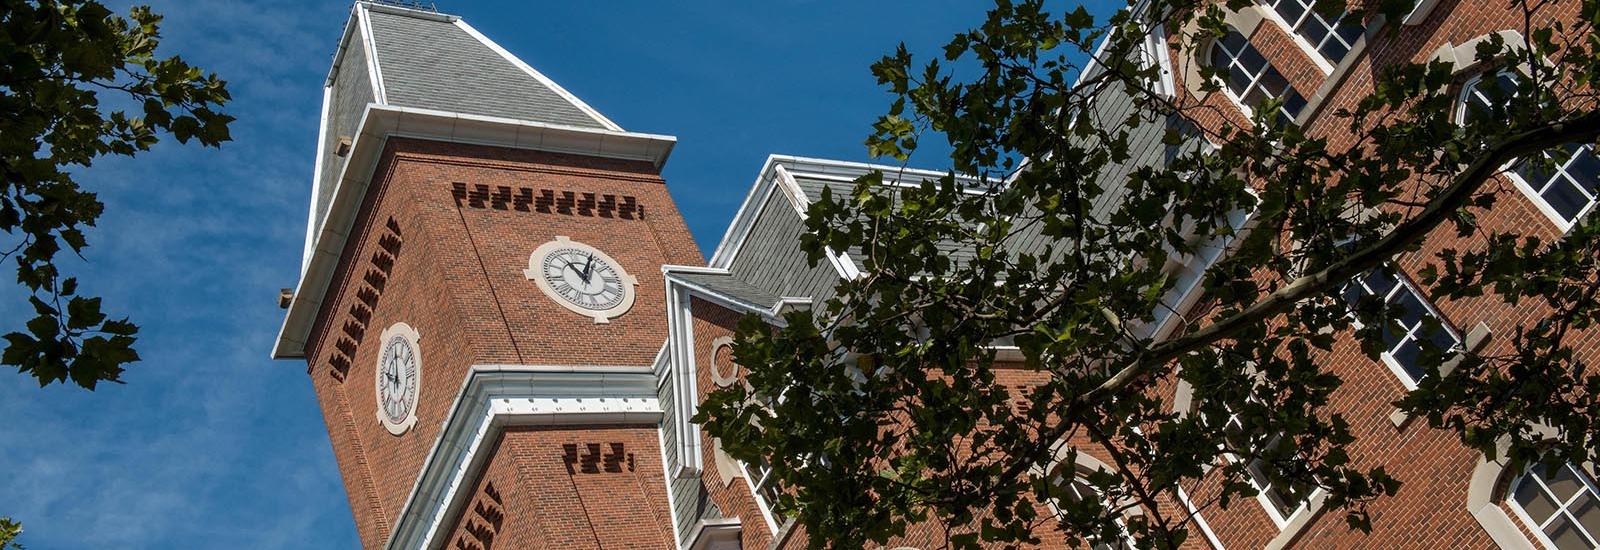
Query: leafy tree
x=77, y=83
x=882, y=407
x=9, y=531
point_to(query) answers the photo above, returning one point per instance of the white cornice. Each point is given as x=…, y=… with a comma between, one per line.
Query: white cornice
x=494, y=397
x=378, y=124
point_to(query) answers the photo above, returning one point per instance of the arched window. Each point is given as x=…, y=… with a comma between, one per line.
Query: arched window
x=1559, y=505
x=1566, y=187
x=1331, y=38
x=1075, y=489
x=1251, y=78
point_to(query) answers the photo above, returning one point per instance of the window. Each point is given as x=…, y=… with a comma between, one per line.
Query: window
x=1565, y=187
x=762, y=484
x=1078, y=490
x=1282, y=498
x=1409, y=316
x=1561, y=506
x=764, y=487
x=1251, y=79
x=1331, y=38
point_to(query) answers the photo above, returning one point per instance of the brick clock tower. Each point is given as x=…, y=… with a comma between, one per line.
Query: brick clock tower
x=481, y=307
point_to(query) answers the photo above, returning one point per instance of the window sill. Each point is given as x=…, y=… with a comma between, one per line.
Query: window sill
x=1298, y=523
x=1476, y=338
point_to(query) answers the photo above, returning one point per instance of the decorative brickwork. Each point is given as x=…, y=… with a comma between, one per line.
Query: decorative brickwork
x=460, y=283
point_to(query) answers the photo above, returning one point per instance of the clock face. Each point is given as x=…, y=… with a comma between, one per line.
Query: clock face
x=582, y=279
x=398, y=378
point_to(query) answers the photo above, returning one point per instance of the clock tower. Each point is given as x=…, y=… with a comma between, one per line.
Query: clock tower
x=481, y=301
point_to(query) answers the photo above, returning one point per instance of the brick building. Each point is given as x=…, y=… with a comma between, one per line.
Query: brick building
x=507, y=322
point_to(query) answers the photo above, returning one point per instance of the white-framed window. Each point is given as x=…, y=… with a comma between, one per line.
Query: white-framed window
x=1410, y=317
x=1282, y=499
x=1560, y=506
x=1331, y=39
x=1250, y=79
x=1566, y=188
x=765, y=489
x=1076, y=489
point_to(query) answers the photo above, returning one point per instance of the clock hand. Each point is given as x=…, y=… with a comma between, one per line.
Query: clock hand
x=588, y=269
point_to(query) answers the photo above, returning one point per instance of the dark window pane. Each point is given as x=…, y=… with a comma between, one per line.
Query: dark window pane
x=1353, y=293
x=1351, y=31
x=1566, y=535
x=1442, y=340
x=1293, y=103
x=1273, y=83
x=1252, y=60
x=1585, y=168
x=1564, y=197
x=1221, y=59
x=1406, y=356
x=1313, y=30
x=1239, y=82
x=1334, y=50
x=1291, y=10
x=1564, y=484
x=1588, y=512
x=1506, y=83
x=1381, y=281
x=1234, y=41
x=1533, y=500
x=1408, y=309
x=1535, y=172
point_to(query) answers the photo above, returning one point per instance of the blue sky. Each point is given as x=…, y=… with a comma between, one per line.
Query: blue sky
x=210, y=443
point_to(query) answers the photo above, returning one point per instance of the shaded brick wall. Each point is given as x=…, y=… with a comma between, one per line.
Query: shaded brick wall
x=1431, y=507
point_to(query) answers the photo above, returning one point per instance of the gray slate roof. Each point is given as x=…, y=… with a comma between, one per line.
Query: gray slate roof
x=430, y=63
x=730, y=286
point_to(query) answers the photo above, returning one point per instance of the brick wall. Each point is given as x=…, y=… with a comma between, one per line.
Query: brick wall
x=457, y=279
x=1431, y=507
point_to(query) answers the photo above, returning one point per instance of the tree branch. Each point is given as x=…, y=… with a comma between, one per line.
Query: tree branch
x=1585, y=127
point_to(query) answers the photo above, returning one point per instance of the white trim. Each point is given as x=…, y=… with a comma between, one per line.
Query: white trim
x=761, y=502
x=1200, y=521
x=1561, y=507
x=1483, y=504
x=316, y=178
x=666, y=480
x=378, y=124
x=810, y=168
x=374, y=70
x=1387, y=356
x=1419, y=12
x=841, y=261
x=494, y=397
x=1508, y=171
x=551, y=84
x=1306, y=46
x=680, y=339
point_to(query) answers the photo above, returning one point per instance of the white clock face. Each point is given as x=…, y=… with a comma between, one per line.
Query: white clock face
x=582, y=279
x=398, y=378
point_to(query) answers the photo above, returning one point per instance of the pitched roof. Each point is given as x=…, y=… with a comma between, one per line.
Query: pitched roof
x=439, y=62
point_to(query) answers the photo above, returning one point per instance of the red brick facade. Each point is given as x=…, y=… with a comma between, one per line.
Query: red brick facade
x=1430, y=510
x=457, y=278
x=445, y=230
